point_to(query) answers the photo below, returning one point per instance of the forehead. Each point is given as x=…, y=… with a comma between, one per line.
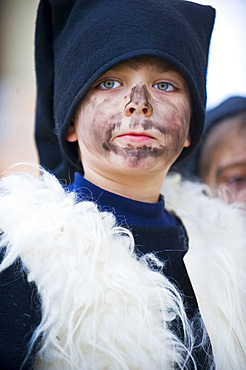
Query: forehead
x=226, y=143
x=154, y=64
x=230, y=130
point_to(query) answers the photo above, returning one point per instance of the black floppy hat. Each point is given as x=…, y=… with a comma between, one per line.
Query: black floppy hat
x=77, y=41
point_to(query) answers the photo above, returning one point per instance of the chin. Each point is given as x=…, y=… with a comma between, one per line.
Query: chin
x=133, y=166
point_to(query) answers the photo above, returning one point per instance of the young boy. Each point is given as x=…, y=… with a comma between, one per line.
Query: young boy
x=123, y=85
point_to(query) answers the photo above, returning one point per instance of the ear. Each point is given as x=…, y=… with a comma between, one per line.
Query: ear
x=187, y=141
x=71, y=135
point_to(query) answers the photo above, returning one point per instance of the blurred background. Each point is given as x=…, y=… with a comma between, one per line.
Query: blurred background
x=17, y=82
x=227, y=61
x=226, y=71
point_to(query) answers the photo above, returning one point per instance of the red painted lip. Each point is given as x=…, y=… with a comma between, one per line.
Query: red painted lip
x=136, y=136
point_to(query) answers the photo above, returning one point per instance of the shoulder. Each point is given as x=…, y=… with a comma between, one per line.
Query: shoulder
x=216, y=230
x=182, y=196
x=215, y=263
x=39, y=214
x=192, y=202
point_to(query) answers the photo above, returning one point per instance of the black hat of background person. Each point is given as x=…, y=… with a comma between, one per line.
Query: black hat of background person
x=76, y=41
x=226, y=109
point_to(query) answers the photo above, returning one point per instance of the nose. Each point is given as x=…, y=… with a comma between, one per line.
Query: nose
x=139, y=102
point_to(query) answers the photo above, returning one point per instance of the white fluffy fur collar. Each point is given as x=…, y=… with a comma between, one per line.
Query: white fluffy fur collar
x=216, y=264
x=103, y=309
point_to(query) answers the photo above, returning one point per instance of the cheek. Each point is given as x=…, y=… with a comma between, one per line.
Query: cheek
x=96, y=123
x=176, y=119
x=92, y=130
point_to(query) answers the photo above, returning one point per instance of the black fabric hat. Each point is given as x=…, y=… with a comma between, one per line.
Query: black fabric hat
x=228, y=108
x=79, y=40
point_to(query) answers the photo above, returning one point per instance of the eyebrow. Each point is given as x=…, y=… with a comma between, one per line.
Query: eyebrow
x=228, y=167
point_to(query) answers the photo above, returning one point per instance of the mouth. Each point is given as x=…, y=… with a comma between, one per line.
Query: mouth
x=135, y=137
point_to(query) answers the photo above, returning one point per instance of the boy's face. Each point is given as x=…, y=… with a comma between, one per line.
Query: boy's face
x=135, y=119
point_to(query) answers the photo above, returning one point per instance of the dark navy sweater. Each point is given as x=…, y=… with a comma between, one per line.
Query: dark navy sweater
x=127, y=211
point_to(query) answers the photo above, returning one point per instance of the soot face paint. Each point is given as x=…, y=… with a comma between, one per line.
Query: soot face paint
x=139, y=101
x=140, y=128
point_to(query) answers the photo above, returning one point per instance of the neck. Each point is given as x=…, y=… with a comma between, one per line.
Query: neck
x=137, y=187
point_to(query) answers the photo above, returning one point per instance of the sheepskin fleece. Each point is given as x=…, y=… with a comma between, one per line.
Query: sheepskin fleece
x=216, y=264
x=101, y=307
x=104, y=309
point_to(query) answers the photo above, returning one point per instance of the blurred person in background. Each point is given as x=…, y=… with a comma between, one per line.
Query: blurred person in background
x=220, y=160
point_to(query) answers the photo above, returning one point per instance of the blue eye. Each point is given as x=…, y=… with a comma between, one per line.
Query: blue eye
x=109, y=84
x=163, y=86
